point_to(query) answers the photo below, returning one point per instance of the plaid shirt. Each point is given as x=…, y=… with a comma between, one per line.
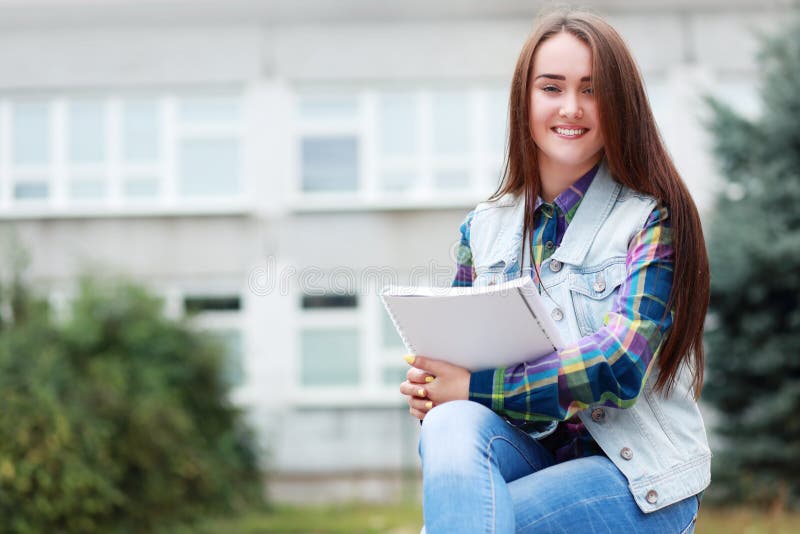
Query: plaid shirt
x=608, y=367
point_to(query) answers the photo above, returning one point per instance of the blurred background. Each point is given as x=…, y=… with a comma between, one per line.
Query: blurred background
x=262, y=168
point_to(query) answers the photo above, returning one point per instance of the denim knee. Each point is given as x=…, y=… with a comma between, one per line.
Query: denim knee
x=454, y=428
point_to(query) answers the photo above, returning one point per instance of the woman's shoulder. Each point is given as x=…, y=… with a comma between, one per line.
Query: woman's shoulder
x=508, y=200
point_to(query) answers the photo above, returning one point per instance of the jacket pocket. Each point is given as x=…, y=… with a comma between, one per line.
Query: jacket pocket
x=593, y=292
x=497, y=271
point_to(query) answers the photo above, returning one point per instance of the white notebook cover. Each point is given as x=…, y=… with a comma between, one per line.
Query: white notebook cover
x=476, y=328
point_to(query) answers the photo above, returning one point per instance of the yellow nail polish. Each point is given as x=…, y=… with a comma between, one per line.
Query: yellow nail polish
x=409, y=358
x=421, y=392
x=428, y=379
x=429, y=405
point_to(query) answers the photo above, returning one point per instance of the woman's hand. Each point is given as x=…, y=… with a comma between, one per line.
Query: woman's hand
x=432, y=382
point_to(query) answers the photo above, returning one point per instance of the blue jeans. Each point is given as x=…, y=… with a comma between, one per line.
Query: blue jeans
x=480, y=474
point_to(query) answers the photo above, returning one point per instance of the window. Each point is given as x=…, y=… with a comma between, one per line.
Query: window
x=31, y=133
x=87, y=137
x=221, y=316
x=330, y=341
x=233, y=369
x=209, y=146
x=391, y=347
x=107, y=150
x=329, y=356
x=31, y=150
x=383, y=144
x=330, y=163
x=347, y=346
x=142, y=133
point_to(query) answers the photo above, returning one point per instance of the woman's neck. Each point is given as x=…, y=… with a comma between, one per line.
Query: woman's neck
x=557, y=177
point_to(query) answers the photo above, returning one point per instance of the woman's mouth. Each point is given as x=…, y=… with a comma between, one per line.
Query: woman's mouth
x=569, y=133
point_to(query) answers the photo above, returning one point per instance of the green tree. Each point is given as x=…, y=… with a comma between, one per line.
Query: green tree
x=753, y=339
x=114, y=418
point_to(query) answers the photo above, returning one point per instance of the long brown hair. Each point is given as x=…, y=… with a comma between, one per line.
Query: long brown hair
x=636, y=157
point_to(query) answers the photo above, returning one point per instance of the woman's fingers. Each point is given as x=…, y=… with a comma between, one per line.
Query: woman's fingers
x=418, y=414
x=412, y=390
x=418, y=376
x=419, y=405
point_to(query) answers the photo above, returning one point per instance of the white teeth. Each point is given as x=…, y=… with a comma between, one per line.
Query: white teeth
x=570, y=132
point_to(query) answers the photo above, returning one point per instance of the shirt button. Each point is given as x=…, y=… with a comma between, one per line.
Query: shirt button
x=598, y=414
x=555, y=265
x=626, y=453
x=652, y=496
x=557, y=314
x=549, y=245
x=599, y=286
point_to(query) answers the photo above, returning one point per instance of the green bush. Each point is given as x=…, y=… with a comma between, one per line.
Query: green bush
x=114, y=418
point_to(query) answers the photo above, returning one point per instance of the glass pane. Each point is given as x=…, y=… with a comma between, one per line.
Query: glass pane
x=498, y=120
x=209, y=167
x=458, y=179
x=392, y=180
x=222, y=303
x=140, y=187
x=204, y=110
x=329, y=357
x=326, y=302
x=31, y=189
x=140, y=133
x=389, y=336
x=87, y=188
x=328, y=106
x=330, y=163
x=397, y=124
x=31, y=132
x=87, y=131
x=233, y=368
x=451, y=123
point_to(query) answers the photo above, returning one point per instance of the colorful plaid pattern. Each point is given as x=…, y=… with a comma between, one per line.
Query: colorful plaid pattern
x=608, y=367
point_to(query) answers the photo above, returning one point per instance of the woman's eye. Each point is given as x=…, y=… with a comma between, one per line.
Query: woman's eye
x=589, y=91
x=550, y=89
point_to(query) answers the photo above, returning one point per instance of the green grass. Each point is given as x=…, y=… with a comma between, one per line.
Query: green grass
x=343, y=519
x=407, y=519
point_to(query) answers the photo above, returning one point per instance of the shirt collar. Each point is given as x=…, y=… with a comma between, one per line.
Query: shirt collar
x=569, y=200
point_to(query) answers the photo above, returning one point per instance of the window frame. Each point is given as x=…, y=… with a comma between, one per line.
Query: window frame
x=365, y=318
x=365, y=126
x=115, y=172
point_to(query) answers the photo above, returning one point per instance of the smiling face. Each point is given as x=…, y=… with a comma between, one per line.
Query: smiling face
x=563, y=118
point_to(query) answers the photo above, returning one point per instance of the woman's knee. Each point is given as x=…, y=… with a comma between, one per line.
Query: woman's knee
x=454, y=429
x=459, y=417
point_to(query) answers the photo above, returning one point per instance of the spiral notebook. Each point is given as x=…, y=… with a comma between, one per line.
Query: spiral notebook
x=476, y=328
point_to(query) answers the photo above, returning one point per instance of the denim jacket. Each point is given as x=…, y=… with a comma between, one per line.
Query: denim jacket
x=659, y=443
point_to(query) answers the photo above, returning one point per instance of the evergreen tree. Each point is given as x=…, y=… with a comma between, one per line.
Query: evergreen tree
x=753, y=335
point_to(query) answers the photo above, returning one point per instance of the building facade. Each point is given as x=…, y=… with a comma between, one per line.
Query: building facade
x=271, y=165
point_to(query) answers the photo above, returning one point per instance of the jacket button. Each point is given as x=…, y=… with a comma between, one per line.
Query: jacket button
x=626, y=453
x=557, y=314
x=598, y=414
x=599, y=286
x=652, y=496
x=555, y=265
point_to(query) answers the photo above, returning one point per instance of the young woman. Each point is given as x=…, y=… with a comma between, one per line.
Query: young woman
x=603, y=435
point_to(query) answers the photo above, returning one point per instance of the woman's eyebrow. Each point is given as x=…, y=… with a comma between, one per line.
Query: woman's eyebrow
x=561, y=77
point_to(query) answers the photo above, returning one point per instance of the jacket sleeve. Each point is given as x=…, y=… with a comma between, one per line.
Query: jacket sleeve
x=611, y=365
x=464, y=267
